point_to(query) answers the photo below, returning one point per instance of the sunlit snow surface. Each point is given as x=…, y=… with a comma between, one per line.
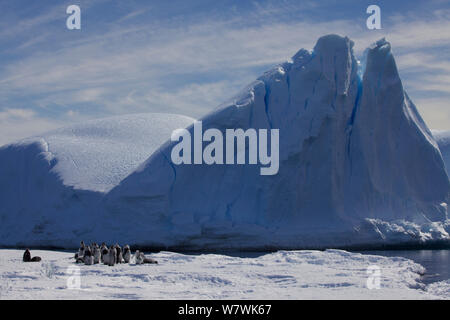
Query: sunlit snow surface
x=96, y=155
x=333, y=274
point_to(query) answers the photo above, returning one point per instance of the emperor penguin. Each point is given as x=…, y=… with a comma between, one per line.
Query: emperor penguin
x=112, y=256
x=105, y=256
x=126, y=254
x=88, y=257
x=27, y=257
x=81, y=249
x=97, y=254
x=79, y=259
x=139, y=257
x=119, y=257
x=150, y=260
x=104, y=252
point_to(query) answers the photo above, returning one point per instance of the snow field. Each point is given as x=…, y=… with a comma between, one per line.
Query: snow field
x=330, y=274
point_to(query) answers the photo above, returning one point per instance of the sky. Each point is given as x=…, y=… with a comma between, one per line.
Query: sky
x=189, y=56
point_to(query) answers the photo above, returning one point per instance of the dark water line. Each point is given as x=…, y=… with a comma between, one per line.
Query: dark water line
x=406, y=246
x=436, y=262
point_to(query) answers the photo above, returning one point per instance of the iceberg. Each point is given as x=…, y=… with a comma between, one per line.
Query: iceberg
x=52, y=185
x=357, y=167
x=443, y=140
x=354, y=155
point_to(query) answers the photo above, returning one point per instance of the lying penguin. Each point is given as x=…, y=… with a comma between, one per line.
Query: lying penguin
x=105, y=256
x=27, y=257
x=141, y=258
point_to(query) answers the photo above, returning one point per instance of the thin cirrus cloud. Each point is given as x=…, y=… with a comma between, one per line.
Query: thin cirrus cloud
x=191, y=66
x=21, y=123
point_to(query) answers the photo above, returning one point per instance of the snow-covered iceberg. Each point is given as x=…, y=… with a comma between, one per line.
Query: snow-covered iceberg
x=355, y=155
x=52, y=185
x=443, y=140
x=358, y=166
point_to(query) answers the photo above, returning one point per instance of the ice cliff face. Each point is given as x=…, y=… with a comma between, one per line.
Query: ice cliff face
x=350, y=149
x=52, y=186
x=443, y=140
x=358, y=166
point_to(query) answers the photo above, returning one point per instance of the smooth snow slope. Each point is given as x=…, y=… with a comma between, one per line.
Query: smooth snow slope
x=51, y=186
x=357, y=164
x=98, y=154
x=332, y=274
x=443, y=140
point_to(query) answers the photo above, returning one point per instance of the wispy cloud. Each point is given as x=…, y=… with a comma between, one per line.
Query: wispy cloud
x=436, y=111
x=17, y=124
x=191, y=65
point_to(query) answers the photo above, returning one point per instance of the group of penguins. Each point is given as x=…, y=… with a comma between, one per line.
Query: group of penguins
x=93, y=254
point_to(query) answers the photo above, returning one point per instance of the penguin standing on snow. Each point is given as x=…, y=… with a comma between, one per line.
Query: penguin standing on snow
x=88, y=257
x=97, y=254
x=104, y=252
x=112, y=255
x=141, y=258
x=81, y=250
x=119, y=257
x=105, y=256
x=126, y=254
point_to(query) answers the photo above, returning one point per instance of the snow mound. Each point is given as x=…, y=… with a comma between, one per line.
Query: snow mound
x=98, y=154
x=440, y=289
x=352, y=147
x=51, y=186
x=443, y=140
x=332, y=274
